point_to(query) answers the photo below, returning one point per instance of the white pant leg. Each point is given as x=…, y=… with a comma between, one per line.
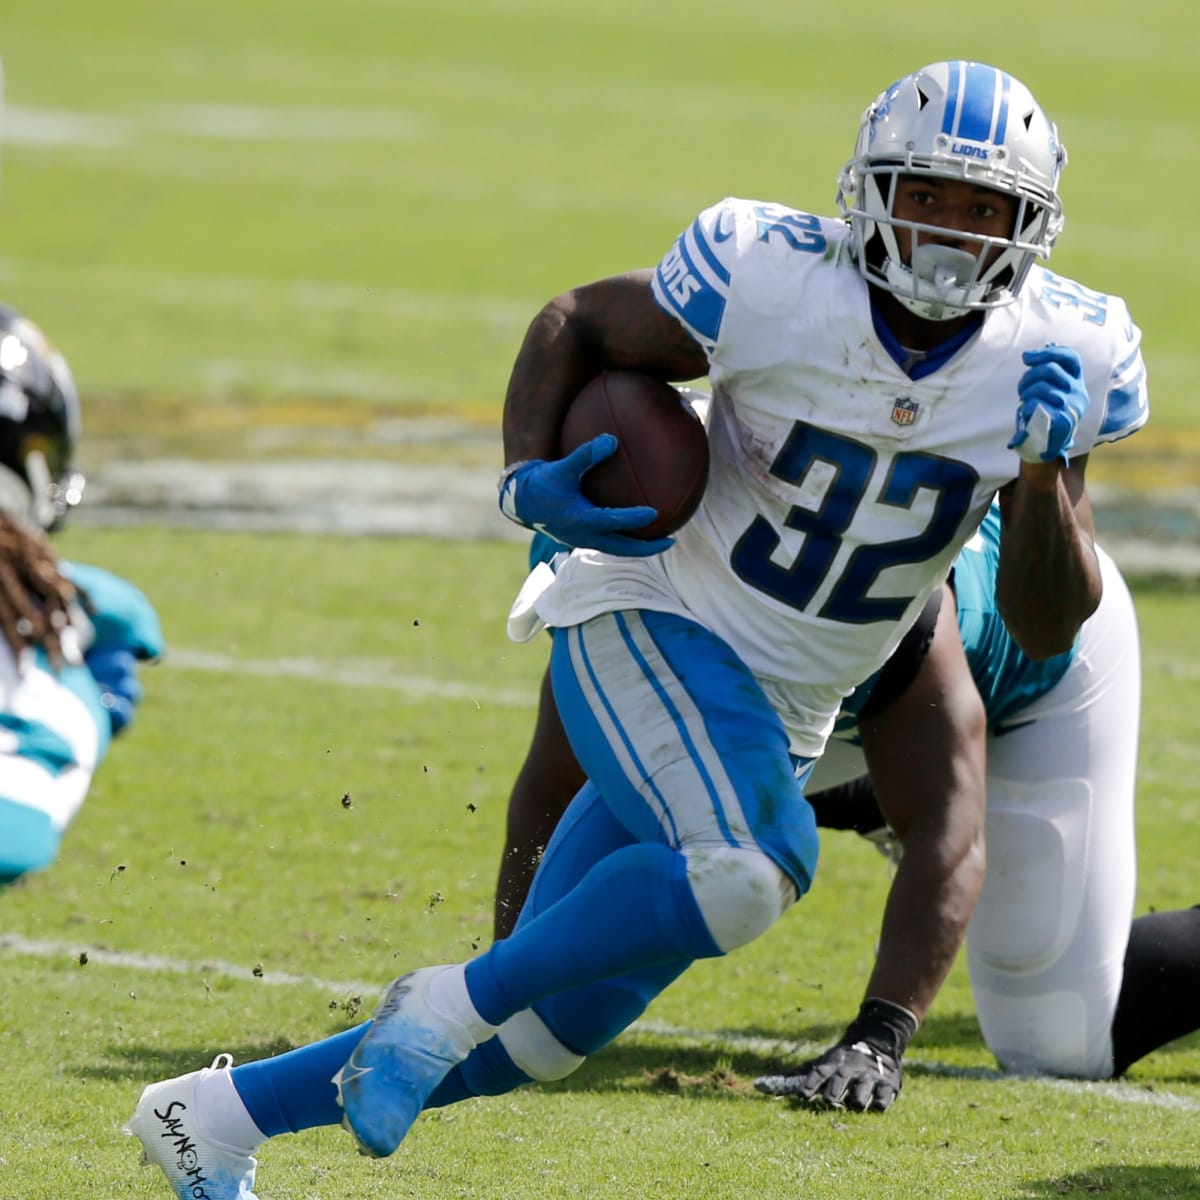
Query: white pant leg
x=686, y=750
x=1047, y=942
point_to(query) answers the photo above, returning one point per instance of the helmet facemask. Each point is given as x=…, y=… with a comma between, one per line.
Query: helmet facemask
x=917, y=128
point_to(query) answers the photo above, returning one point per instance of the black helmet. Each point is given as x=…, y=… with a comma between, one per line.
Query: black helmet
x=39, y=426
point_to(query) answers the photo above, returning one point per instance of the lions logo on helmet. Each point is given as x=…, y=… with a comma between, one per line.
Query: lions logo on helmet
x=39, y=426
x=959, y=121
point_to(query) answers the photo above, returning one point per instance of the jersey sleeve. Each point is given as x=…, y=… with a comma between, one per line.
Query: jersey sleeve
x=122, y=616
x=1126, y=401
x=693, y=280
x=1100, y=327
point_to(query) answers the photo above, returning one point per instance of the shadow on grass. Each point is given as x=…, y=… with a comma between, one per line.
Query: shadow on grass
x=645, y=1060
x=152, y=1063
x=679, y=1070
x=630, y=1066
x=951, y=1032
x=955, y=1032
x=1127, y=1183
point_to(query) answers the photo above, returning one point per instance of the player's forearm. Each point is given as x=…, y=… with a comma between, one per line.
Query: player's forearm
x=1048, y=579
x=612, y=323
x=556, y=359
x=924, y=922
x=927, y=756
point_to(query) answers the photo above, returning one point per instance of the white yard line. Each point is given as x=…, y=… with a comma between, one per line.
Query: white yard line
x=37, y=126
x=311, y=295
x=12, y=944
x=15, y=944
x=379, y=674
x=362, y=673
x=194, y=125
x=28, y=125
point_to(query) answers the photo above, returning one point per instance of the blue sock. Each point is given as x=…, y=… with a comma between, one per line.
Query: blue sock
x=487, y=1071
x=295, y=1091
x=633, y=909
x=583, y=1020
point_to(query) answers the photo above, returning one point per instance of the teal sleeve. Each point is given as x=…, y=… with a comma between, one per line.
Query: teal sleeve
x=122, y=616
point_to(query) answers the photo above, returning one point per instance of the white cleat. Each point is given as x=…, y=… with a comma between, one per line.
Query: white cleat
x=196, y=1166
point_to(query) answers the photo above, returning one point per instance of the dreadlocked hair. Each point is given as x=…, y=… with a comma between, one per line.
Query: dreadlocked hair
x=35, y=597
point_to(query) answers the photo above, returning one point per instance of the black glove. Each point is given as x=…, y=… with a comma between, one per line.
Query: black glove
x=862, y=1071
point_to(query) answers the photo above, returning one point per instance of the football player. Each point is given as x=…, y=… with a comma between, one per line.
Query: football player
x=877, y=379
x=1063, y=984
x=73, y=634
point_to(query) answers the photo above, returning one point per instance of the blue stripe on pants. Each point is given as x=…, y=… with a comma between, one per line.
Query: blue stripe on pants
x=679, y=738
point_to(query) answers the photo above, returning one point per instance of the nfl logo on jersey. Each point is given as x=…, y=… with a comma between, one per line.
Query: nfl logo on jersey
x=904, y=412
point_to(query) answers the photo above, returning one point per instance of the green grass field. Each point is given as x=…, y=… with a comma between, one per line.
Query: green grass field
x=217, y=843
x=368, y=199
x=266, y=229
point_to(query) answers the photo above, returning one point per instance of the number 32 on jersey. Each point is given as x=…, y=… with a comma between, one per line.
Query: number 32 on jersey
x=953, y=484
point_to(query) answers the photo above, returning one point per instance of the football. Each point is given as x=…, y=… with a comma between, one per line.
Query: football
x=662, y=449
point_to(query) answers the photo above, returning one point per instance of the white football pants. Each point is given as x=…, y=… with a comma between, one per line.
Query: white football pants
x=1046, y=944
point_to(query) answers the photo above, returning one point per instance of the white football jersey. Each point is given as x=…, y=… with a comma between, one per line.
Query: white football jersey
x=54, y=731
x=840, y=487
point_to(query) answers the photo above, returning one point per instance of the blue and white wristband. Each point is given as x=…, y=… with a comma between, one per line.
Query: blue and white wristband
x=507, y=486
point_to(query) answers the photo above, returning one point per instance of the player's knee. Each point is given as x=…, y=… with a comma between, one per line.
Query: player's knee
x=1056, y=1047
x=740, y=892
x=1028, y=913
x=535, y=1050
x=1057, y=1066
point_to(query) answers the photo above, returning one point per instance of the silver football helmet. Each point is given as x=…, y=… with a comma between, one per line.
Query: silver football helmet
x=963, y=121
x=39, y=426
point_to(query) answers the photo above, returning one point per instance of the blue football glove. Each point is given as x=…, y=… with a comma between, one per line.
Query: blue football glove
x=115, y=670
x=1052, y=400
x=546, y=495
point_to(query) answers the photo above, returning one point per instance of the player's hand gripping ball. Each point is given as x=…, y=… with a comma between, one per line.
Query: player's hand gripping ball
x=632, y=466
x=661, y=457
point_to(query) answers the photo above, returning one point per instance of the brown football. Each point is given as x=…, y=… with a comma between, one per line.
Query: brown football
x=662, y=449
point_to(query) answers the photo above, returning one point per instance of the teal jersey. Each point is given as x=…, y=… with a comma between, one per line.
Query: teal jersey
x=1007, y=680
x=57, y=724
x=121, y=615
x=121, y=618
